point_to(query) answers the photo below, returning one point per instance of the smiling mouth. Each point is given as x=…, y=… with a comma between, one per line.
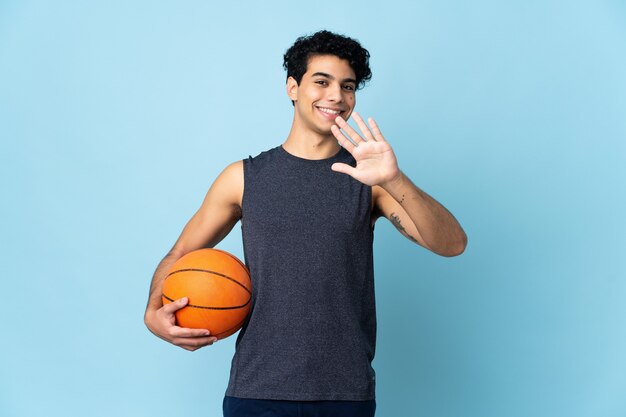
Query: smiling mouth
x=331, y=112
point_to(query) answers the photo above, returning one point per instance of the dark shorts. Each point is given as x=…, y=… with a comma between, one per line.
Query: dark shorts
x=246, y=407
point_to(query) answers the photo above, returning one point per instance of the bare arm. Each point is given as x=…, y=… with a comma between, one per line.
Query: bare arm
x=415, y=214
x=219, y=212
x=419, y=217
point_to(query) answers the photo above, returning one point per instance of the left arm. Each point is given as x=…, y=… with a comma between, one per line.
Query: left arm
x=414, y=213
x=419, y=217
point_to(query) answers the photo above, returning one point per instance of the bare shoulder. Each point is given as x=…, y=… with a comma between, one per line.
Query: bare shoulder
x=217, y=215
x=233, y=173
x=228, y=186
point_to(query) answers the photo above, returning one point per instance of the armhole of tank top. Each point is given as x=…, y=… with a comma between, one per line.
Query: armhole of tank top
x=246, y=168
x=372, y=208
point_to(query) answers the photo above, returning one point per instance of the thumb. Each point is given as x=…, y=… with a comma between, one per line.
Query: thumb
x=175, y=305
x=343, y=168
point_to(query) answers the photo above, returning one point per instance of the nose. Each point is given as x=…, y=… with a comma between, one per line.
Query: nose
x=335, y=93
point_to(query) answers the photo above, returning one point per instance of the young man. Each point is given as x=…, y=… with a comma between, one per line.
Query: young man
x=308, y=211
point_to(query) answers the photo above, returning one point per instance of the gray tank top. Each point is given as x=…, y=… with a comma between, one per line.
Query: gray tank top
x=307, y=239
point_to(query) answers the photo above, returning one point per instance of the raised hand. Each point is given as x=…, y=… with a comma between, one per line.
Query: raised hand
x=376, y=163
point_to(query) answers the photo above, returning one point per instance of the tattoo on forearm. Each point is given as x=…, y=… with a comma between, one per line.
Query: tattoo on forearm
x=402, y=199
x=395, y=220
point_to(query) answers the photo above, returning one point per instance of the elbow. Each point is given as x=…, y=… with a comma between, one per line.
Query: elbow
x=455, y=248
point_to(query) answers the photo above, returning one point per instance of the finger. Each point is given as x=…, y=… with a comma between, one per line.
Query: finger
x=176, y=331
x=351, y=133
x=194, y=344
x=362, y=126
x=342, y=139
x=175, y=305
x=344, y=168
x=375, y=130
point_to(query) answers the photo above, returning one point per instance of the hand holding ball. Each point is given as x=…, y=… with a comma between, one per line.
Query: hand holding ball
x=218, y=287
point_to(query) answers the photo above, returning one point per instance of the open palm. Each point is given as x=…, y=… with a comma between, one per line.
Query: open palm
x=376, y=162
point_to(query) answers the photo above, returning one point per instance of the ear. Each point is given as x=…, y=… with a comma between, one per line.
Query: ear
x=292, y=89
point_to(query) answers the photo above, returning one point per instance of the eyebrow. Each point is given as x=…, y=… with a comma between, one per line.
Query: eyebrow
x=323, y=74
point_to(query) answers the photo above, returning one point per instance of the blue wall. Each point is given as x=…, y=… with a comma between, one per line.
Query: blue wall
x=115, y=117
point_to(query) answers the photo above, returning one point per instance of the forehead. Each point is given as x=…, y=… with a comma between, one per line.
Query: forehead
x=329, y=64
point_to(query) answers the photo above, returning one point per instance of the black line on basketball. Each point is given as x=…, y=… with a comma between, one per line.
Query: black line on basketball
x=210, y=272
x=210, y=308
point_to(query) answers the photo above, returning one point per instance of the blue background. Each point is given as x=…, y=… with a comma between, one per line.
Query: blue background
x=116, y=116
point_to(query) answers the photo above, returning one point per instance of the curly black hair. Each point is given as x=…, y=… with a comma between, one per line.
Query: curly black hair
x=324, y=42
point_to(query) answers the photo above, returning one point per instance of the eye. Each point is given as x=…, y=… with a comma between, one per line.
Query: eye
x=349, y=87
x=321, y=82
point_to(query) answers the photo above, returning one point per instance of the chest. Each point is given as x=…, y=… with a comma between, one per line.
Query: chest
x=318, y=205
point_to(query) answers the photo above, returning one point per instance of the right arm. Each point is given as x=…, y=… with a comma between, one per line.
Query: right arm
x=219, y=212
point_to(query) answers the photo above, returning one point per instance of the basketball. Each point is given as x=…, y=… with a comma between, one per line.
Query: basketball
x=218, y=287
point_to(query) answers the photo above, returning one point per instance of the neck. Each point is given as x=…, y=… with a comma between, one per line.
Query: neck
x=308, y=144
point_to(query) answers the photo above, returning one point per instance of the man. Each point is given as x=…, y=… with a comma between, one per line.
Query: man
x=308, y=210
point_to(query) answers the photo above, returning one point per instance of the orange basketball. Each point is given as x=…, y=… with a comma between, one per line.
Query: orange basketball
x=218, y=287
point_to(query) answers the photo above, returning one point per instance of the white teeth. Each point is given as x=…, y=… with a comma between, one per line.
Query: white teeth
x=329, y=111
